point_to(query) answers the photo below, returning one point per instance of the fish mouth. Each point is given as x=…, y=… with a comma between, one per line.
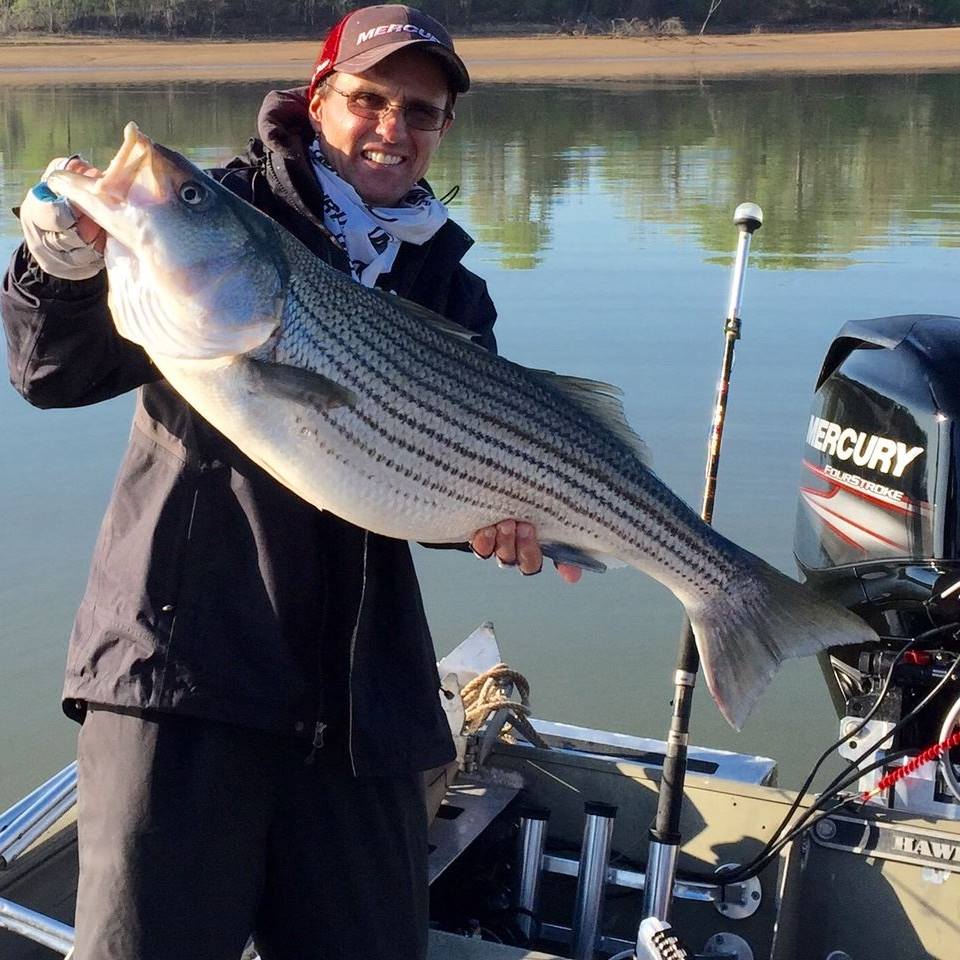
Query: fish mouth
x=140, y=175
x=135, y=152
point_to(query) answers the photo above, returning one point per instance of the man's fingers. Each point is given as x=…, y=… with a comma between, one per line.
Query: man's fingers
x=79, y=165
x=507, y=542
x=529, y=556
x=515, y=544
x=484, y=542
x=568, y=572
x=91, y=232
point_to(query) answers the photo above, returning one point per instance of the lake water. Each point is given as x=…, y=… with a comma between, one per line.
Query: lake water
x=603, y=221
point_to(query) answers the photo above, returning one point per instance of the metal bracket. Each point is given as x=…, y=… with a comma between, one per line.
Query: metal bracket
x=735, y=901
x=728, y=945
x=864, y=747
x=739, y=900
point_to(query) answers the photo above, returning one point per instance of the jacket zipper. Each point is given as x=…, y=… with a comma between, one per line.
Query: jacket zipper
x=318, y=730
x=172, y=607
x=353, y=648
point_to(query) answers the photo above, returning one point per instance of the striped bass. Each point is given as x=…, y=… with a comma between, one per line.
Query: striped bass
x=391, y=418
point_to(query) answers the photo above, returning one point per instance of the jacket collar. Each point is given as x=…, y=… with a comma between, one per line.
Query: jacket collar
x=283, y=124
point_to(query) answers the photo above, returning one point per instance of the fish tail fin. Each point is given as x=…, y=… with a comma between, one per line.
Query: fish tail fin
x=744, y=635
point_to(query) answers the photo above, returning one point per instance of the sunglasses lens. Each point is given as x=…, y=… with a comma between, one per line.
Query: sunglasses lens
x=367, y=105
x=420, y=116
x=423, y=117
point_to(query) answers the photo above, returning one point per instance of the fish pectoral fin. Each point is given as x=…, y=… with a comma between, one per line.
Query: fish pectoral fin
x=303, y=387
x=575, y=557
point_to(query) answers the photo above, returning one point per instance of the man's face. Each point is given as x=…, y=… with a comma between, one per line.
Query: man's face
x=381, y=158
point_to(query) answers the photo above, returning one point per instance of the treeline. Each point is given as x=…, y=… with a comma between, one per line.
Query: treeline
x=290, y=18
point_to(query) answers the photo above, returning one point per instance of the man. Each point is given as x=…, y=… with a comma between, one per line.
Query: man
x=255, y=678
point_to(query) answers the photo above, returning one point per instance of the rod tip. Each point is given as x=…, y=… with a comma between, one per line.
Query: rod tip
x=749, y=216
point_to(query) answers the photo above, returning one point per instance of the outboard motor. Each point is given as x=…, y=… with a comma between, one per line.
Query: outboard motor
x=878, y=531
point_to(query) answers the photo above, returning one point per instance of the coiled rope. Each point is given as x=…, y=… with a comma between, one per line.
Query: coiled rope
x=491, y=692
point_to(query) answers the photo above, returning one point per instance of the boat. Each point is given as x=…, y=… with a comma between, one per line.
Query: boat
x=540, y=846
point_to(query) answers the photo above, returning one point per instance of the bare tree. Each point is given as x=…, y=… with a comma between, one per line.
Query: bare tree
x=713, y=6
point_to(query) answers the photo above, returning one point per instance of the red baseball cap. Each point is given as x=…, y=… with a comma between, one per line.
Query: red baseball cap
x=364, y=37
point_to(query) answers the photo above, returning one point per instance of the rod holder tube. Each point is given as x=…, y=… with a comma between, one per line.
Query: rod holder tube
x=592, y=878
x=660, y=873
x=37, y=828
x=50, y=796
x=11, y=814
x=35, y=926
x=530, y=845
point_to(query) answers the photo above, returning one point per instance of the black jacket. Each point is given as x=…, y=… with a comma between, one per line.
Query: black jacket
x=213, y=590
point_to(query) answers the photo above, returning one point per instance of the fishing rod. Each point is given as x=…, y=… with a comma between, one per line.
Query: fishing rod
x=665, y=833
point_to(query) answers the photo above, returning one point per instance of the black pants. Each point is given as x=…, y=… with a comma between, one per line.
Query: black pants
x=193, y=835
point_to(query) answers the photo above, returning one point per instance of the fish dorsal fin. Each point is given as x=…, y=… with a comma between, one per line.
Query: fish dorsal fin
x=603, y=401
x=425, y=315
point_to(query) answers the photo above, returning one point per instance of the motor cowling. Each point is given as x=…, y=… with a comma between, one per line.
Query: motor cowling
x=878, y=529
x=877, y=521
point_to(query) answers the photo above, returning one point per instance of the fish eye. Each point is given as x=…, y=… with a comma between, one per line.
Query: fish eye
x=192, y=193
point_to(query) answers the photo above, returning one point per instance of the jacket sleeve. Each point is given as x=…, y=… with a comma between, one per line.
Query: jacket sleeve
x=62, y=347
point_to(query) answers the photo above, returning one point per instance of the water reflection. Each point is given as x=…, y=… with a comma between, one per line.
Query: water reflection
x=842, y=164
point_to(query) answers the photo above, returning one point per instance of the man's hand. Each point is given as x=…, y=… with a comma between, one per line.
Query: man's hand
x=64, y=241
x=515, y=544
x=90, y=231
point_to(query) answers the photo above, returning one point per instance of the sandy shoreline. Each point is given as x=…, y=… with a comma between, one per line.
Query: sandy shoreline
x=543, y=59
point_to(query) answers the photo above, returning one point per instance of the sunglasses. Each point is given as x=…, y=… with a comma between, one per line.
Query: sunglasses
x=372, y=106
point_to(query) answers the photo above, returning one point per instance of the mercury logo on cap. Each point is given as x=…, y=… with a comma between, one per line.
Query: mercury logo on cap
x=365, y=37
x=395, y=28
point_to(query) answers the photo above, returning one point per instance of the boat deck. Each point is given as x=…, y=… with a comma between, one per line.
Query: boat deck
x=896, y=873
x=45, y=879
